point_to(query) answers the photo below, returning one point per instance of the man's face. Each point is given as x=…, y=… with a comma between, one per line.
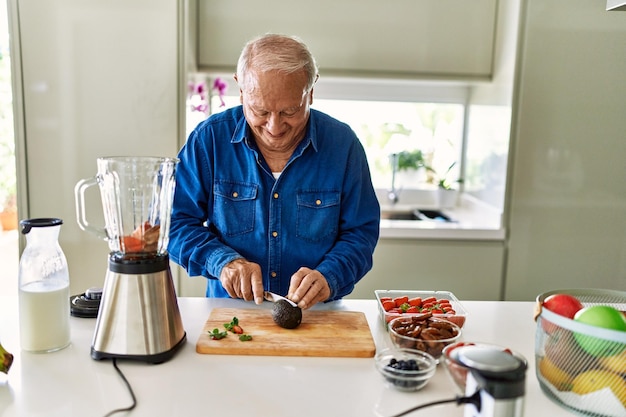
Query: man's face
x=277, y=108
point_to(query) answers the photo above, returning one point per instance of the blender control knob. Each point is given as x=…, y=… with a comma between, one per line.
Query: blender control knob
x=93, y=293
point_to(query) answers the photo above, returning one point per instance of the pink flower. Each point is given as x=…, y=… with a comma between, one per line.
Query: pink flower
x=221, y=86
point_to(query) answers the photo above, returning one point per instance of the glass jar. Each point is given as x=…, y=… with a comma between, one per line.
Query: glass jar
x=44, y=288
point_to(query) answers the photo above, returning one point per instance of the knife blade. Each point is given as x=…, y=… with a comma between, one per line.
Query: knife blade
x=270, y=296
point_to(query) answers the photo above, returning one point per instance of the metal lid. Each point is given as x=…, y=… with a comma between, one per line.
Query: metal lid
x=501, y=374
x=486, y=358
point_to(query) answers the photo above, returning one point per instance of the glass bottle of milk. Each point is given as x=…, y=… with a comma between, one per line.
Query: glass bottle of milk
x=44, y=288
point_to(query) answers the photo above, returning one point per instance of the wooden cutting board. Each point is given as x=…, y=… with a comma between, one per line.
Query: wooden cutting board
x=321, y=333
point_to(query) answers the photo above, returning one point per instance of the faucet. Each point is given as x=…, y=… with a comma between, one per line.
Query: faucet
x=393, y=194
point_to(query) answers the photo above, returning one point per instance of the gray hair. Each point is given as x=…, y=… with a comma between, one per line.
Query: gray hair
x=272, y=52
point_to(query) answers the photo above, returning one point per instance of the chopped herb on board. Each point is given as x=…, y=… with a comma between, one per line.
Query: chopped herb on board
x=217, y=335
x=234, y=326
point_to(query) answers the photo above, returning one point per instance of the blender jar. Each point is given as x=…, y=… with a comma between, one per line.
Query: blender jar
x=136, y=194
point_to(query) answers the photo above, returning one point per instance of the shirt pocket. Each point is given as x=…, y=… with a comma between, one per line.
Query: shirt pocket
x=318, y=215
x=234, y=209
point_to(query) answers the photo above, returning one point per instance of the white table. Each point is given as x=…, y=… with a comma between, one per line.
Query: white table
x=70, y=383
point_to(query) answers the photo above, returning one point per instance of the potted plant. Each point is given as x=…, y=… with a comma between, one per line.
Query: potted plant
x=443, y=182
x=411, y=168
x=447, y=194
x=410, y=160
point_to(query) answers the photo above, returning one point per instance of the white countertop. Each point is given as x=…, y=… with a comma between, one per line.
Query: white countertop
x=70, y=383
x=473, y=220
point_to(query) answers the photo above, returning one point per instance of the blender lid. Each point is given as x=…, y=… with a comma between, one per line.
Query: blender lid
x=484, y=358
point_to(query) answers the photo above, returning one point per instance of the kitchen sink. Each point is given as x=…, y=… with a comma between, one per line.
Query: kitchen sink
x=399, y=215
x=416, y=214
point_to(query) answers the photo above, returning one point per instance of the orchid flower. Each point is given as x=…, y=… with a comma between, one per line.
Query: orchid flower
x=221, y=86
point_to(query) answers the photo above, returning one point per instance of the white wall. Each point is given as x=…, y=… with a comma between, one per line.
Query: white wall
x=98, y=79
x=567, y=214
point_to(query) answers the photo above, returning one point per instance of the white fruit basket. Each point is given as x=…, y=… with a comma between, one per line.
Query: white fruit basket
x=589, y=384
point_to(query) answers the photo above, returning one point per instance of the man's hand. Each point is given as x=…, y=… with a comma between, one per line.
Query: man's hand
x=308, y=287
x=242, y=279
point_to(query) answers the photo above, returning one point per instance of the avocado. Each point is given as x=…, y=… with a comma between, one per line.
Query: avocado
x=286, y=315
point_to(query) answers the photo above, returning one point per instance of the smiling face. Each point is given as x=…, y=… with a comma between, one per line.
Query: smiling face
x=277, y=108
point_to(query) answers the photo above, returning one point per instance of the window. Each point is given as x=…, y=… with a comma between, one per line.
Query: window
x=390, y=117
x=386, y=128
x=9, y=243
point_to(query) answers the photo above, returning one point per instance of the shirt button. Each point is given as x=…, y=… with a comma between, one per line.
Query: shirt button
x=275, y=195
x=274, y=234
x=273, y=274
x=318, y=202
x=235, y=194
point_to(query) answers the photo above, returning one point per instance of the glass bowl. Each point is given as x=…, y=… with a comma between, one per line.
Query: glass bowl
x=430, y=334
x=387, y=363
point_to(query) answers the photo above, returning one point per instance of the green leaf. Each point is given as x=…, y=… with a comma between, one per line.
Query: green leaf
x=410, y=160
x=216, y=334
x=233, y=322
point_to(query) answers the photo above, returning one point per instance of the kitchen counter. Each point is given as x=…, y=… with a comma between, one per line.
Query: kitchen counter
x=472, y=220
x=69, y=383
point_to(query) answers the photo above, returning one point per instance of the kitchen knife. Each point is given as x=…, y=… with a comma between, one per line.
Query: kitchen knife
x=270, y=296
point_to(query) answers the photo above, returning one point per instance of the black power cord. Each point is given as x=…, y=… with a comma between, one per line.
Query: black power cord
x=130, y=390
x=472, y=399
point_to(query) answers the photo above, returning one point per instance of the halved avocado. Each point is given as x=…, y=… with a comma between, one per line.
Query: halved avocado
x=286, y=315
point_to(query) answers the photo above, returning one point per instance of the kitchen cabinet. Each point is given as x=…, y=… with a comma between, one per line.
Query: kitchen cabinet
x=472, y=270
x=404, y=38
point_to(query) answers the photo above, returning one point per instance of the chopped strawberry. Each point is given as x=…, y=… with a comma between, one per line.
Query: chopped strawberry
x=416, y=302
x=400, y=300
x=429, y=300
x=236, y=329
x=388, y=305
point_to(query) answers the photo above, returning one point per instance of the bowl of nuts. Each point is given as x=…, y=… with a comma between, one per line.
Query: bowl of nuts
x=423, y=332
x=405, y=369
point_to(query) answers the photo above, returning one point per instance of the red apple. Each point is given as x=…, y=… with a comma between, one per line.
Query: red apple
x=562, y=304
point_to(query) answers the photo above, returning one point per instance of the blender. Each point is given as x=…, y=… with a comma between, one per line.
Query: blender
x=498, y=376
x=138, y=317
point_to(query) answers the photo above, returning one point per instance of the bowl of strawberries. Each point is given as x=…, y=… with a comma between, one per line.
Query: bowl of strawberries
x=441, y=304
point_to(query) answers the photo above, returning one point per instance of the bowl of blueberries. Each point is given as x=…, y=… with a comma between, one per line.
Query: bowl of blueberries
x=405, y=369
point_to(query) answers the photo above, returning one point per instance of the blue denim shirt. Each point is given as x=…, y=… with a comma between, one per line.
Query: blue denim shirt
x=321, y=212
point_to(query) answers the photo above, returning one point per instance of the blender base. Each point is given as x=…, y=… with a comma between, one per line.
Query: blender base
x=154, y=358
x=139, y=317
